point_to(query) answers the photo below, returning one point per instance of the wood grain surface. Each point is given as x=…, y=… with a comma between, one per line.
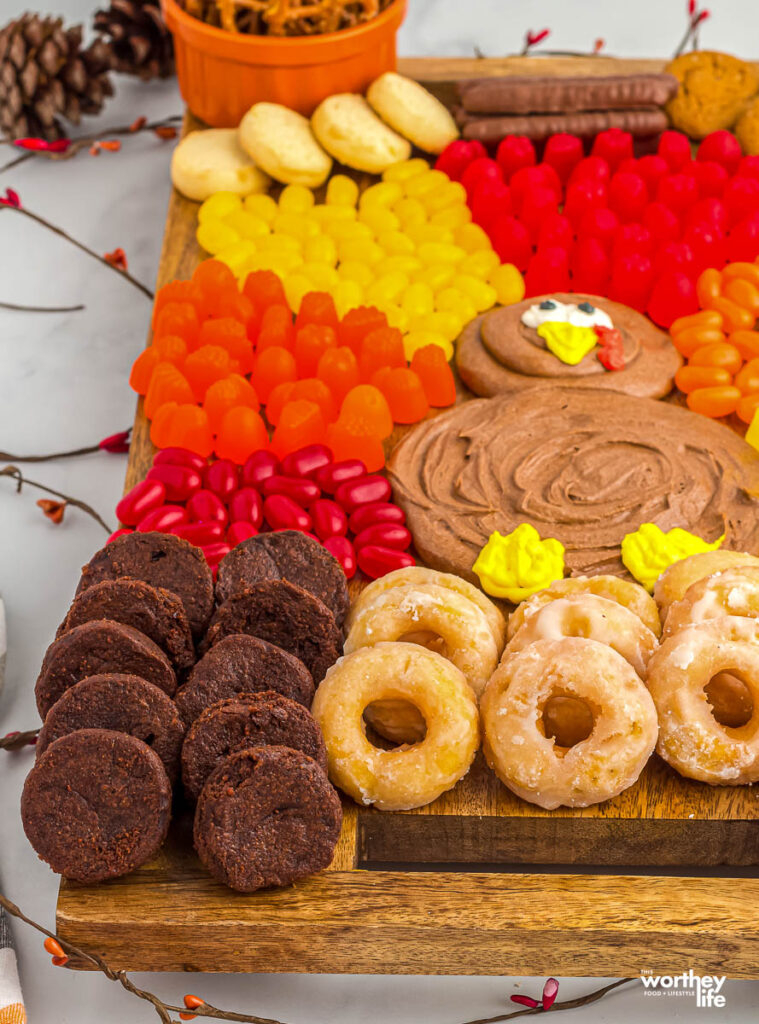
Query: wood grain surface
x=171, y=916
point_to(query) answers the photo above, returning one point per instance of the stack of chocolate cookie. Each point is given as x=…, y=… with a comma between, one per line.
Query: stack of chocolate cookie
x=118, y=730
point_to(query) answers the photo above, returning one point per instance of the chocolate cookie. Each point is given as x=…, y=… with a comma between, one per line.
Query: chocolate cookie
x=239, y=723
x=96, y=805
x=267, y=816
x=121, y=703
x=285, y=615
x=154, y=611
x=100, y=647
x=243, y=664
x=161, y=560
x=296, y=558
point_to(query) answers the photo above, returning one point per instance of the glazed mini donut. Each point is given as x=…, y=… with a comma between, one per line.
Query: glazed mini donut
x=592, y=617
x=408, y=776
x=630, y=595
x=417, y=574
x=704, y=675
x=674, y=581
x=732, y=592
x=602, y=764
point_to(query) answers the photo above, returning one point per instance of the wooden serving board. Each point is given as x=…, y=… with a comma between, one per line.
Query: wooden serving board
x=438, y=889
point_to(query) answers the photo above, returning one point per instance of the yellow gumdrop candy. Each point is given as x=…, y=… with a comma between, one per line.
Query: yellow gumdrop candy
x=323, y=276
x=438, y=276
x=379, y=219
x=215, y=235
x=247, y=224
x=418, y=299
x=342, y=191
x=328, y=214
x=396, y=243
x=218, y=206
x=457, y=302
x=482, y=295
x=439, y=252
x=282, y=263
x=452, y=193
x=405, y=169
x=358, y=249
x=295, y=224
x=261, y=205
x=296, y=285
x=471, y=237
x=508, y=284
x=518, y=564
x=420, y=184
x=354, y=270
x=348, y=230
x=396, y=317
x=320, y=249
x=442, y=322
x=384, y=194
x=387, y=288
x=296, y=199
x=347, y=295
x=433, y=234
x=403, y=264
x=410, y=212
x=452, y=217
x=238, y=256
x=279, y=243
x=416, y=339
x=480, y=264
x=648, y=551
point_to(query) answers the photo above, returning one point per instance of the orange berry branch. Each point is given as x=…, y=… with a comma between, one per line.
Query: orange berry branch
x=53, y=513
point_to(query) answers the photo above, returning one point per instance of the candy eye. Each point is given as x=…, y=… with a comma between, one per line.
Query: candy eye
x=547, y=304
x=586, y=307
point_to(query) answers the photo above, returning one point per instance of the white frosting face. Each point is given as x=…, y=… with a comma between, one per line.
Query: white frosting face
x=553, y=311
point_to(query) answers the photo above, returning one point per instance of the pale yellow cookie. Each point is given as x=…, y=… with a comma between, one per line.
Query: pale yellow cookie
x=747, y=129
x=412, y=111
x=352, y=133
x=281, y=142
x=212, y=161
x=714, y=90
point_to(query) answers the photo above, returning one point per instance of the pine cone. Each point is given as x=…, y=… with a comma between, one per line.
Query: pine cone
x=46, y=76
x=139, y=39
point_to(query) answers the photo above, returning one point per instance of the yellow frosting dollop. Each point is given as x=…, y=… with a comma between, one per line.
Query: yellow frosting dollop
x=568, y=342
x=517, y=565
x=649, y=551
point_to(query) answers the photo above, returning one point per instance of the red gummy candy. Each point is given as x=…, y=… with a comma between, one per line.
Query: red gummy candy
x=723, y=148
x=489, y=200
x=710, y=211
x=708, y=245
x=555, y=230
x=590, y=168
x=749, y=167
x=628, y=196
x=677, y=191
x=663, y=223
x=590, y=267
x=548, y=271
x=632, y=238
x=673, y=296
x=563, y=152
x=457, y=156
x=514, y=152
x=741, y=198
x=601, y=223
x=511, y=241
x=632, y=276
x=743, y=241
x=674, y=147
x=317, y=308
x=652, y=169
x=529, y=179
x=538, y=204
x=675, y=256
x=711, y=178
x=480, y=170
x=613, y=146
x=583, y=196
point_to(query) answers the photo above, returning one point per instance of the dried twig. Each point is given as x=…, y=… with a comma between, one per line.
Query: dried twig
x=114, y=443
x=17, y=740
x=15, y=473
x=40, y=309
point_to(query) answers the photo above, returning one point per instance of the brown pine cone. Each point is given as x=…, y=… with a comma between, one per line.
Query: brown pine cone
x=138, y=37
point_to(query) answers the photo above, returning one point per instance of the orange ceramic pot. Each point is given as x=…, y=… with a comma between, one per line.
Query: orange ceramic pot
x=221, y=74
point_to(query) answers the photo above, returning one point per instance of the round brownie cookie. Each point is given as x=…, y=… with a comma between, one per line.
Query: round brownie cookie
x=154, y=611
x=161, y=560
x=95, y=648
x=239, y=723
x=121, y=703
x=296, y=558
x=285, y=615
x=96, y=805
x=267, y=816
x=243, y=664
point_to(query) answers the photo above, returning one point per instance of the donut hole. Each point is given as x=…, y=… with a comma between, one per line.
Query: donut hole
x=394, y=723
x=426, y=638
x=567, y=720
x=730, y=698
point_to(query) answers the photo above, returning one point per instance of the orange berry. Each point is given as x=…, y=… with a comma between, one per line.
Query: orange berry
x=714, y=402
x=686, y=342
x=747, y=379
x=311, y=342
x=317, y=308
x=278, y=398
x=300, y=423
x=367, y=406
x=348, y=440
x=404, y=393
x=273, y=366
x=432, y=369
x=722, y=354
x=338, y=368
x=187, y=1016
x=381, y=347
x=277, y=328
x=188, y=427
x=174, y=292
x=264, y=289
x=142, y=370
x=225, y=394
x=180, y=318
x=743, y=293
x=708, y=287
x=747, y=343
x=747, y=407
x=171, y=349
x=735, y=317
x=60, y=961
x=161, y=424
x=241, y=433
x=168, y=384
x=708, y=318
x=357, y=323
x=206, y=365
x=53, y=946
x=314, y=390
x=690, y=378
x=231, y=335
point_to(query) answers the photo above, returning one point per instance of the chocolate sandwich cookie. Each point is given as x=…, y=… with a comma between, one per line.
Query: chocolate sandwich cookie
x=121, y=703
x=267, y=816
x=161, y=560
x=95, y=648
x=296, y=558
x=243, y=664
x=96, y=805
x=154, y=611
x=285, y=615
x=239, y=723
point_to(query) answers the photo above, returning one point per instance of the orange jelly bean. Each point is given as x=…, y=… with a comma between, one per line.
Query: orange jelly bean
x=404, y=393
x=168, y=384
x=225, y=394
x=242, y=432
x=142, y=370
x=692, y=338
x=708, y=318
x=278, y=398
x=380, y=348
x=264, y=289
x=741, y=271
x=206, y=365
x=311, y=342
x=348, y=440
x=312, y=389
x=317, y=308
x=273, y=366
x=277, y=328
x=747, y=343
x=301, y=423
x=368, y=407
x=357, y=323
x=736, y=318
x=432, y=369
x=338, y=368
x=180, y=318
x=188, y=428
x=747, y=407
x=231, y=335
x=691, y=378
x=723, y=355
x=708, y=287
x=747, y=379
x=743, y=293
x=714, y=402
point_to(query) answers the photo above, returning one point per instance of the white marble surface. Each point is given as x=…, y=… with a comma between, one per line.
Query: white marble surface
x=63, y=383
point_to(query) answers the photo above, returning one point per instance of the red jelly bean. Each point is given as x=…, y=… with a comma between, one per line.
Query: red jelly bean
x=514, y=152
x=240, y=531
x=613, y=145
x=376, y=512
x=479, y=170
x=547, y=271
x=457, y=156
x=711, y=178
x=180, y=481
x=662, y=222
x=206, y=507
x=628, y=196
x=247, y=505
x=388, y=535
x=222, y=478
x=674, y=147
x=723, y=148
x=307, y=461
x=259, y=467
x=215, y=552
x=511, y=240
x=179, y=457
x=118, y=533
x=590, y=267
x=342, y=549
x=555, y=230
x=329, y=518
x=282, y=513
x=163, y=519
x=200, y=534
x=331, y=477
x=301, y=490
x=490, y=199
x=601, y=223
x=377, y=561
x=563, y=152
x=143, y=498
x=361, y=491
x=652, y=168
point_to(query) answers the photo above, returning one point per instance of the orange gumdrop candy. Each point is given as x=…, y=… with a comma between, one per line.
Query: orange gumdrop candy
x=714, y=402
x=380, y=348
x=357, y=323
x=188, y=427
x=161, y=424
x=317, y=308
x=433, y=370
x=368, y=407
x=168, y=384
x=171, y=349
x=311, y=342
x=231, y=335
x=301, y=423
x=142, y=370
x=214, y=282
x=264, y=289
x=348, y=440
x=174, y=292
x=338, y=368
x=273, y=366
x=239, y=307
x=242, y=432
x=225, y=394
x=180, y=318
x=206, y=365
x=277, y=328
x=278, y=398
x=404, y=393
x=314, y=390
